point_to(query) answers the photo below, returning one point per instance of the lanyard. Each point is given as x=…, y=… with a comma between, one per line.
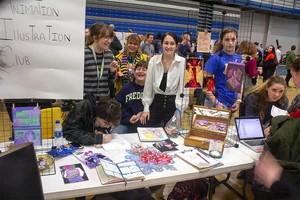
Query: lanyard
x=99, y=73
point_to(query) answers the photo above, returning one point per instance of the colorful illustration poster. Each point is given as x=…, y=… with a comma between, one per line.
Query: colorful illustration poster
x=193, y=73
x=73, y=173
x=234, y=76
x=27, y=125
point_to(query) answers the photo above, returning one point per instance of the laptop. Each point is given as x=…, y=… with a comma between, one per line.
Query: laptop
x=250, y=132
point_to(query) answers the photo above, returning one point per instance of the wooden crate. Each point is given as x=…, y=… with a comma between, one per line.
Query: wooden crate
x=200, y=136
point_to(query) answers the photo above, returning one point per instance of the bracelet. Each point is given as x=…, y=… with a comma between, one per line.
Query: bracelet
x=238, y=101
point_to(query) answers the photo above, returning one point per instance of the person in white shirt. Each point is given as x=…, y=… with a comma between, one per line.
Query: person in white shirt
x=164, y=84
x=278, y=53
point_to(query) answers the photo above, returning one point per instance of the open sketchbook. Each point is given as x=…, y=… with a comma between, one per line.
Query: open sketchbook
x=110, y=172
x=151, y=134
x=198, y=159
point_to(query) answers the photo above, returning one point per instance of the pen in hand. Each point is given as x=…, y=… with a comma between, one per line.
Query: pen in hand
x=198, y=154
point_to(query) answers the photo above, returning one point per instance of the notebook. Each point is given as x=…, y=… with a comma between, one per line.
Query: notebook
x=250, y=132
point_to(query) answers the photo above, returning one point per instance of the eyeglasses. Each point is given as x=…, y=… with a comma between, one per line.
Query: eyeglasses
x=107, y=38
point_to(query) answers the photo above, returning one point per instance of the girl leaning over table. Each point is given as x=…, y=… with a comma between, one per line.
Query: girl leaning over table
x=215, y=70
x=164, y=84
x=259, y=101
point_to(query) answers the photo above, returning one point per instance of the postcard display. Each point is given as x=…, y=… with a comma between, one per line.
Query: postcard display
x=32, y=124
x=208, y=124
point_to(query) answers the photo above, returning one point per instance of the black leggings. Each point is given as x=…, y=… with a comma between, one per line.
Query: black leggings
x=288, y=77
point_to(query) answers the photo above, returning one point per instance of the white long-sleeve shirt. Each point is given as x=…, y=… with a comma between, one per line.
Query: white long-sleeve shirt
x=278, y=55
x=175, y=81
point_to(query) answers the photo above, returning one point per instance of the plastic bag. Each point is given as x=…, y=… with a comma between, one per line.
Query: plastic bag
x=63, y=150
x=172, y=128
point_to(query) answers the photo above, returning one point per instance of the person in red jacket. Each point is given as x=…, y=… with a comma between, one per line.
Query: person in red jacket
x=269, y=64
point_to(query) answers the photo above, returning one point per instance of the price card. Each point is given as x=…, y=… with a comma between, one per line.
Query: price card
x=215, y=148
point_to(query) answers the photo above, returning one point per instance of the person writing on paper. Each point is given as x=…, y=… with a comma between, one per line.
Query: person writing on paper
x=164, y=84
x=89, y=117
x=130, y=96
x=99, y=66
x=260, y=99
x=221, y=97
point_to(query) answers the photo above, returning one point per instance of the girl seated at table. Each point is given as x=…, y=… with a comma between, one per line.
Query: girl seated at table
x=260, y=99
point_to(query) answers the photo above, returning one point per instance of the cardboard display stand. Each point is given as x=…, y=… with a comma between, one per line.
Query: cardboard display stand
x=214, y=126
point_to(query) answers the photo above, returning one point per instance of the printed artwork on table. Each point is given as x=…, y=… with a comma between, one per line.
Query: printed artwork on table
x=73, y=173
x=152, y=161
x=166, y=145
x=89, y=158
x=193, y=73
x=151, y=134
x=26, y=125
x=234, y=76
x=213, y=126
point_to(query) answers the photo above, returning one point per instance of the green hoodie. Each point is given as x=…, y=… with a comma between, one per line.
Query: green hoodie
x=290, y=58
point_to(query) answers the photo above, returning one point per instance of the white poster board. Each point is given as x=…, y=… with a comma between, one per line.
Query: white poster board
x=42, y=47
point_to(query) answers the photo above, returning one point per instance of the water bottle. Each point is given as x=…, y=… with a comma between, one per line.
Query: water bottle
x=58, y=134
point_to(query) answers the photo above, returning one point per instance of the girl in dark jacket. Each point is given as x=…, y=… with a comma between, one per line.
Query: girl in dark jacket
x=269, y=64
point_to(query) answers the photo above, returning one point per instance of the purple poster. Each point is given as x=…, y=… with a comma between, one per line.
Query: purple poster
x=234, y=76
x=27, y=125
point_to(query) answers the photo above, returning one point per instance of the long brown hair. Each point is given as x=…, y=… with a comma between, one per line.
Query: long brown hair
x=248, y=48
x=228, y=29
x=99, y=31
x=262, y=94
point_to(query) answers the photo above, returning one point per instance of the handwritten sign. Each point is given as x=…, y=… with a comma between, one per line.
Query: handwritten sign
x=42, y=49
x=203, y=42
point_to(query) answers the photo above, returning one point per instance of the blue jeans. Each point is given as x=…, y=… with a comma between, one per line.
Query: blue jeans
x=120, y=129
